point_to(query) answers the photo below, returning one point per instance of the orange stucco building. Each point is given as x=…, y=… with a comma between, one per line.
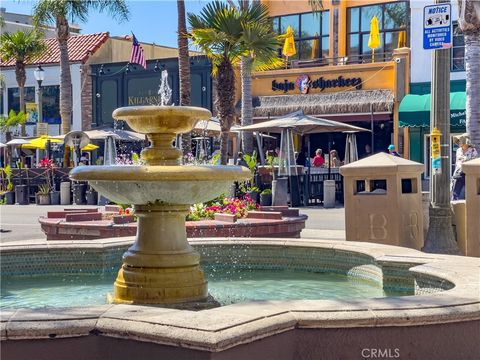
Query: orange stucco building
x=334, y=74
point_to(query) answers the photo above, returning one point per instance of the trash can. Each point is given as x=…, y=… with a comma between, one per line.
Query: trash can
x=472, y=206
x=280, y=192
x=21, y=194
x=79, y=194
x=65, y=193
x=383, y=201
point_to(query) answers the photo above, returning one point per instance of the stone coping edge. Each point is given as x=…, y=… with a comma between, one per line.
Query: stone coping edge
x=221, y=328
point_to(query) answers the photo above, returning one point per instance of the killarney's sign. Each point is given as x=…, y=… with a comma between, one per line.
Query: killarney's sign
x=304, y=84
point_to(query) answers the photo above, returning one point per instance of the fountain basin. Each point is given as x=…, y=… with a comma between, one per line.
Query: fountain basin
x=445, y=310
x=163, y=184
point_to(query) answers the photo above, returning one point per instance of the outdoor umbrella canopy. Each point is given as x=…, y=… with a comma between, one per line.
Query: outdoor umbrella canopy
x=17, y=142
x=315, y=47
x=90, y=147
x=374, y=39
x=301, y=124
x=2, y=145
x=40, y=142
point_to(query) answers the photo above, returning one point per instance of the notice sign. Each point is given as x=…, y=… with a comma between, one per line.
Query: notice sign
x=437, y=26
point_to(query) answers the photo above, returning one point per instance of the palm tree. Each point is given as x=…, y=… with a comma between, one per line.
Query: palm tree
x=225, y=33
x=246, y=76
x=21, y=46
x=183, y=69
x=60, y=12
x=470, y=25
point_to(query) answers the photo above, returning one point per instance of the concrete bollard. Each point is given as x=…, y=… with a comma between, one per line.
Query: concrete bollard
x=65, y=193
x=329, y=194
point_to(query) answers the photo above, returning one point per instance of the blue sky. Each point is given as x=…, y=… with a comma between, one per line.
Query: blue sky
x=150, y=20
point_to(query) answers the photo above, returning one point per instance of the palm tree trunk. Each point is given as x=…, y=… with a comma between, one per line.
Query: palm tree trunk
x=247, y=109
x=225, y=103
x=183, y=70
x=65, y=76
x=472, y=71
x=21, y=78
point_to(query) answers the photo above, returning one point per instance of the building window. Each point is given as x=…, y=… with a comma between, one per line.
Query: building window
x=311, y=33
x=14, y=97
x=458, y=49
x=1, y=102
x=393, y=18
x=51, y=104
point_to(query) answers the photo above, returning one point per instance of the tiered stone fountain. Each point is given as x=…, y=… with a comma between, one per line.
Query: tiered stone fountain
x=160, y=267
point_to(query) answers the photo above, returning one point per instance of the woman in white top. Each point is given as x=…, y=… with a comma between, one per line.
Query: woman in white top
x=465, y=152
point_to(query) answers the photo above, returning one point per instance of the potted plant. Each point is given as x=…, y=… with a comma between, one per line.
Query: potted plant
x=266, y=197
x=54, y=196
x=8, y=193
x=43, y=194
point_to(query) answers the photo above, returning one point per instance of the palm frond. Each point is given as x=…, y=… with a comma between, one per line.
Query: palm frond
x=21, y=45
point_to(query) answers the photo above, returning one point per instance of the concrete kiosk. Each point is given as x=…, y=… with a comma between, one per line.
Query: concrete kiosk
x=472, y=208
x=383, y=201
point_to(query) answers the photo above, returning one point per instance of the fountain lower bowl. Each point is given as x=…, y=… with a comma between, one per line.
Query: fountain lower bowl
x=160, y=184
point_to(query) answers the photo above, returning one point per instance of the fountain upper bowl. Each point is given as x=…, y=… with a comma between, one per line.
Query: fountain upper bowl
x=161, y=119
x=167, y=184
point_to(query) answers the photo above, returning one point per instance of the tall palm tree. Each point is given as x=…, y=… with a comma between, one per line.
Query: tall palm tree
x=21, y=46
x=183, y=69
x=469, y=21
x=246, y=77
x=225, y=34
x=60, y=12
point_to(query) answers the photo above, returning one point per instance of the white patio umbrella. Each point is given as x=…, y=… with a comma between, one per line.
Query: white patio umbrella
x=301, y=124
x=15, y=142
x=351, y=150
x=2, y=145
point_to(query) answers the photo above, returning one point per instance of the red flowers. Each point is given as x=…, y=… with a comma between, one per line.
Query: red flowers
x=234, y=206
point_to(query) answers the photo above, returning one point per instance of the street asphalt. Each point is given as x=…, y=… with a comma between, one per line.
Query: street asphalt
x=20, y=222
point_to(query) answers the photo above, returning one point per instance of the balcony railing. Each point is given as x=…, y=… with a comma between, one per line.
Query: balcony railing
x=345, y=60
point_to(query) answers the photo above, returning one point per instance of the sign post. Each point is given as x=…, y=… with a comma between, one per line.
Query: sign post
x=437, y=36
x=437, y=26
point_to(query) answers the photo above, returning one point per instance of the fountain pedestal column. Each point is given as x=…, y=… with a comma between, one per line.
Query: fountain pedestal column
x=161, y=266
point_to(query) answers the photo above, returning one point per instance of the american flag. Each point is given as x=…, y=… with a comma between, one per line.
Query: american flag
x=137, y=54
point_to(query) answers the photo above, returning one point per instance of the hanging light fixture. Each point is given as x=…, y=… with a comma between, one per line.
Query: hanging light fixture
x=101, y=71
x=156, y=68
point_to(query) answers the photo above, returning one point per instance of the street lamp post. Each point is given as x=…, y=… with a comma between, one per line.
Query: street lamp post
x=39, y=74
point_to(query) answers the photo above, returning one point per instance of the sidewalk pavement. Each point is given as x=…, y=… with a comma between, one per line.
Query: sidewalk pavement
x=20, y=222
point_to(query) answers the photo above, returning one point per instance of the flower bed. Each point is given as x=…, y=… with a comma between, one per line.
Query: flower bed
x=222, y=205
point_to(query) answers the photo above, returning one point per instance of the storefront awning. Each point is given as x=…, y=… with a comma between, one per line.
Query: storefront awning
x=415, y=110
x=347, y=102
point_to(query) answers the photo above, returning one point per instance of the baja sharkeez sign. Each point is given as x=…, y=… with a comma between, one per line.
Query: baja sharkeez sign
x=437, y=26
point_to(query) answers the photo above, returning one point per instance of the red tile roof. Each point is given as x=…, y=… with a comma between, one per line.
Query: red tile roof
x=79, y=49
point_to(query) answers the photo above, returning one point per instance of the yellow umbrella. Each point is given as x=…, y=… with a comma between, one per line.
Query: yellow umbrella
x=315, y=46
x=402, y=39
x=90, y=147
x=289, y=45
x=40, y=142
x=374, y=39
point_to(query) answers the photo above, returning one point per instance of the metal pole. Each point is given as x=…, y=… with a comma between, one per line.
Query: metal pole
x=260, y=148
x=371, y=128
x=40, y=105
x=440, y=237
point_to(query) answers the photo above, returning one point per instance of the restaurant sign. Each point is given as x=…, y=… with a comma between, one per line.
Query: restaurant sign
x=304, y=84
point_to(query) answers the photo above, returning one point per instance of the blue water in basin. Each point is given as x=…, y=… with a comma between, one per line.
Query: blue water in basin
x=227, y=288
